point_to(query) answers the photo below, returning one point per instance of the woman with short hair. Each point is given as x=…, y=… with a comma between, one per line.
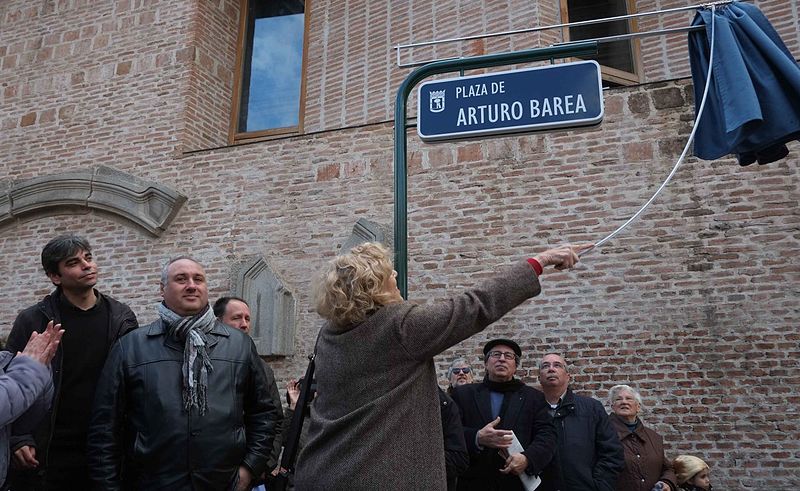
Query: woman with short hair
x=376, y=423
x=646, y=466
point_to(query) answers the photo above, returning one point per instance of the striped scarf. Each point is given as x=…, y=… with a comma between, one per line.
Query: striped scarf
x=192, y=332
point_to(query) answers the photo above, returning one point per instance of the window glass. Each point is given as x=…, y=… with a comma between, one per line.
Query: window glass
x=617, y=54
x=273, y=66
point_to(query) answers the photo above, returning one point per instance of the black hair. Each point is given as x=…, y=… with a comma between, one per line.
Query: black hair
x=60, y=248
x=222, y=303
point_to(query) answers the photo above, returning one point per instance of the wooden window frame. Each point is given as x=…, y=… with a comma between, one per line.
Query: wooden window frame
x=610, y=74
x=234, y=135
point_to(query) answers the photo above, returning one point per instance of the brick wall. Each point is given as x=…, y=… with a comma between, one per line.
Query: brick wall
x=696, y=303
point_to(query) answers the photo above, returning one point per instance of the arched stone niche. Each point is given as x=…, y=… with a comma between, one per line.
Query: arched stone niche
x=272, y=307
x=148, y=204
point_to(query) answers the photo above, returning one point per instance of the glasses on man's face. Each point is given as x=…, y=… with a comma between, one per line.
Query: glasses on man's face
x=556, y=364
x=508, y=355
x=464, y=370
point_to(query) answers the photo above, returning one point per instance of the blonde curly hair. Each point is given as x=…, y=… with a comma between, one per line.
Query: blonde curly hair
x=352, y=286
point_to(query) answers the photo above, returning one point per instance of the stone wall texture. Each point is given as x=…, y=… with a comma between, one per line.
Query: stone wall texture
x=696, y=303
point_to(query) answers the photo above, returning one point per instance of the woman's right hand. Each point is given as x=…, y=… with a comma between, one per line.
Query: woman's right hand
x=562, y=257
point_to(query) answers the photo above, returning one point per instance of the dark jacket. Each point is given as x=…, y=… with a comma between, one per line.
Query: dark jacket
x=526, y=415
x=589, y=455
x=277, y=443
x=456, y=456
x=35, y=318
x=376, y=421
x=141, y=437
x=645, y=462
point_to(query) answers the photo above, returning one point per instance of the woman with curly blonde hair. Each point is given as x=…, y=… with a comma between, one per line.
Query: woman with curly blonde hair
x=375, y=422
x=355, y=285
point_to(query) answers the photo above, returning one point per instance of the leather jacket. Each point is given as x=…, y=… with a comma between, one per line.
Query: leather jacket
x=141, y=437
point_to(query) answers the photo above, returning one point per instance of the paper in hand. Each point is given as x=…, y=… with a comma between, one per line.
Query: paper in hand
x=528, y=482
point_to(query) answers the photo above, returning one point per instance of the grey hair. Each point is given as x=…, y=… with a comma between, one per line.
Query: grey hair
x=165, y=269
x=612, y=394
x=566, y=365
x=457, y=361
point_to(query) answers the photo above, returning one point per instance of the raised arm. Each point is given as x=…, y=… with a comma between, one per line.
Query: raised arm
x=427, y=330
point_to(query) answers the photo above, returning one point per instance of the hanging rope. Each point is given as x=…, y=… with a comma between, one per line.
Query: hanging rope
x=683, y=154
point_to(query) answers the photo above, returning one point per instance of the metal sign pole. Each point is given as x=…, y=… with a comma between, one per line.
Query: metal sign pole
x=401, y=127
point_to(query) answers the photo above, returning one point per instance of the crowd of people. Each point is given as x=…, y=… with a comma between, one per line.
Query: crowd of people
x=95, y=401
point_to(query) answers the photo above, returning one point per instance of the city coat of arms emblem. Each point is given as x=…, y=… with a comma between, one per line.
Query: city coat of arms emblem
x=437, y=101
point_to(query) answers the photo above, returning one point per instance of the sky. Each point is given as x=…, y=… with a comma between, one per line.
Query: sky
x=276, y=69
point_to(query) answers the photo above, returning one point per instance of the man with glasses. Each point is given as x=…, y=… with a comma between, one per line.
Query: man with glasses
x=496, y=410
x=459, y=373
x=589, y=454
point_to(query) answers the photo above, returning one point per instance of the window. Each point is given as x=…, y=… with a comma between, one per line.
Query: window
x=268, y=97
x=620, y=60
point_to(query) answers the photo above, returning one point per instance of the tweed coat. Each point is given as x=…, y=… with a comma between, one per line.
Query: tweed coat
x=376, y=422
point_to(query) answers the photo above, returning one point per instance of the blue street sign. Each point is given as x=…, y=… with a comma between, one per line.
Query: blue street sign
x=533, y=99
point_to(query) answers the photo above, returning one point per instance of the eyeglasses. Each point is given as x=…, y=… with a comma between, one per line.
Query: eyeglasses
x=464, y=370
x=508, y=355
x=555, y=364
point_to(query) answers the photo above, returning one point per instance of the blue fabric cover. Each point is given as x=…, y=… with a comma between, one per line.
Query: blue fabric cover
x=753, y=104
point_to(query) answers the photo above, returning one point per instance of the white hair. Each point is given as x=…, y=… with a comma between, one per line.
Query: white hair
x=612, y=394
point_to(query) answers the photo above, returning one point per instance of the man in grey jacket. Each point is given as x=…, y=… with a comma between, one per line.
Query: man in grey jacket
x=26, y=387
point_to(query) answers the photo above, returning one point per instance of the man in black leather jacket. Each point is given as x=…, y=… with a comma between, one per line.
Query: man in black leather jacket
x=55, y=453
x=183, y=403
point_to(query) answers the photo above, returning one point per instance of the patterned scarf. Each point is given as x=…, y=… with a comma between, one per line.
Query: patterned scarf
x=192, y=332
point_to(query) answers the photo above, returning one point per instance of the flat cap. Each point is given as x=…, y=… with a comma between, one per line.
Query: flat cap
x=506, y=342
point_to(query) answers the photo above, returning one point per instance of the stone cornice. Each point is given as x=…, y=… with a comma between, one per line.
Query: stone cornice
x=145, y=203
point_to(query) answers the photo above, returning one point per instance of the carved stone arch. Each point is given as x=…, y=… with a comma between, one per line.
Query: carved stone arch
x=148, y=204
x=272, y=307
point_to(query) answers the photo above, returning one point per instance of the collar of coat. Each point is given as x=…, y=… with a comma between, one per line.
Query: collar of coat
x=567, y=404
x=622, y=429
x=49, y=304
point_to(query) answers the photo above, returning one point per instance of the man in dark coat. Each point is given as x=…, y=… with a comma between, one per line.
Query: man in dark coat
x=182, y=403
x=56, y=451
x=459, y=373
x=491, y=411
x=234, y=312
x=589, y=454
x=456, y=456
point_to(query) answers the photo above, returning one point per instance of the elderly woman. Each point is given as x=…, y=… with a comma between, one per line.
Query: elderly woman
x=646, y=466
x=375, y=423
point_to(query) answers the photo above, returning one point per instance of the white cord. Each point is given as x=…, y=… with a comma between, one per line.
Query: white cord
x=683, y=154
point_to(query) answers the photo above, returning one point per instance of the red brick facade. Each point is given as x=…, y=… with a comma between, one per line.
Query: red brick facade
x=696, y=304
